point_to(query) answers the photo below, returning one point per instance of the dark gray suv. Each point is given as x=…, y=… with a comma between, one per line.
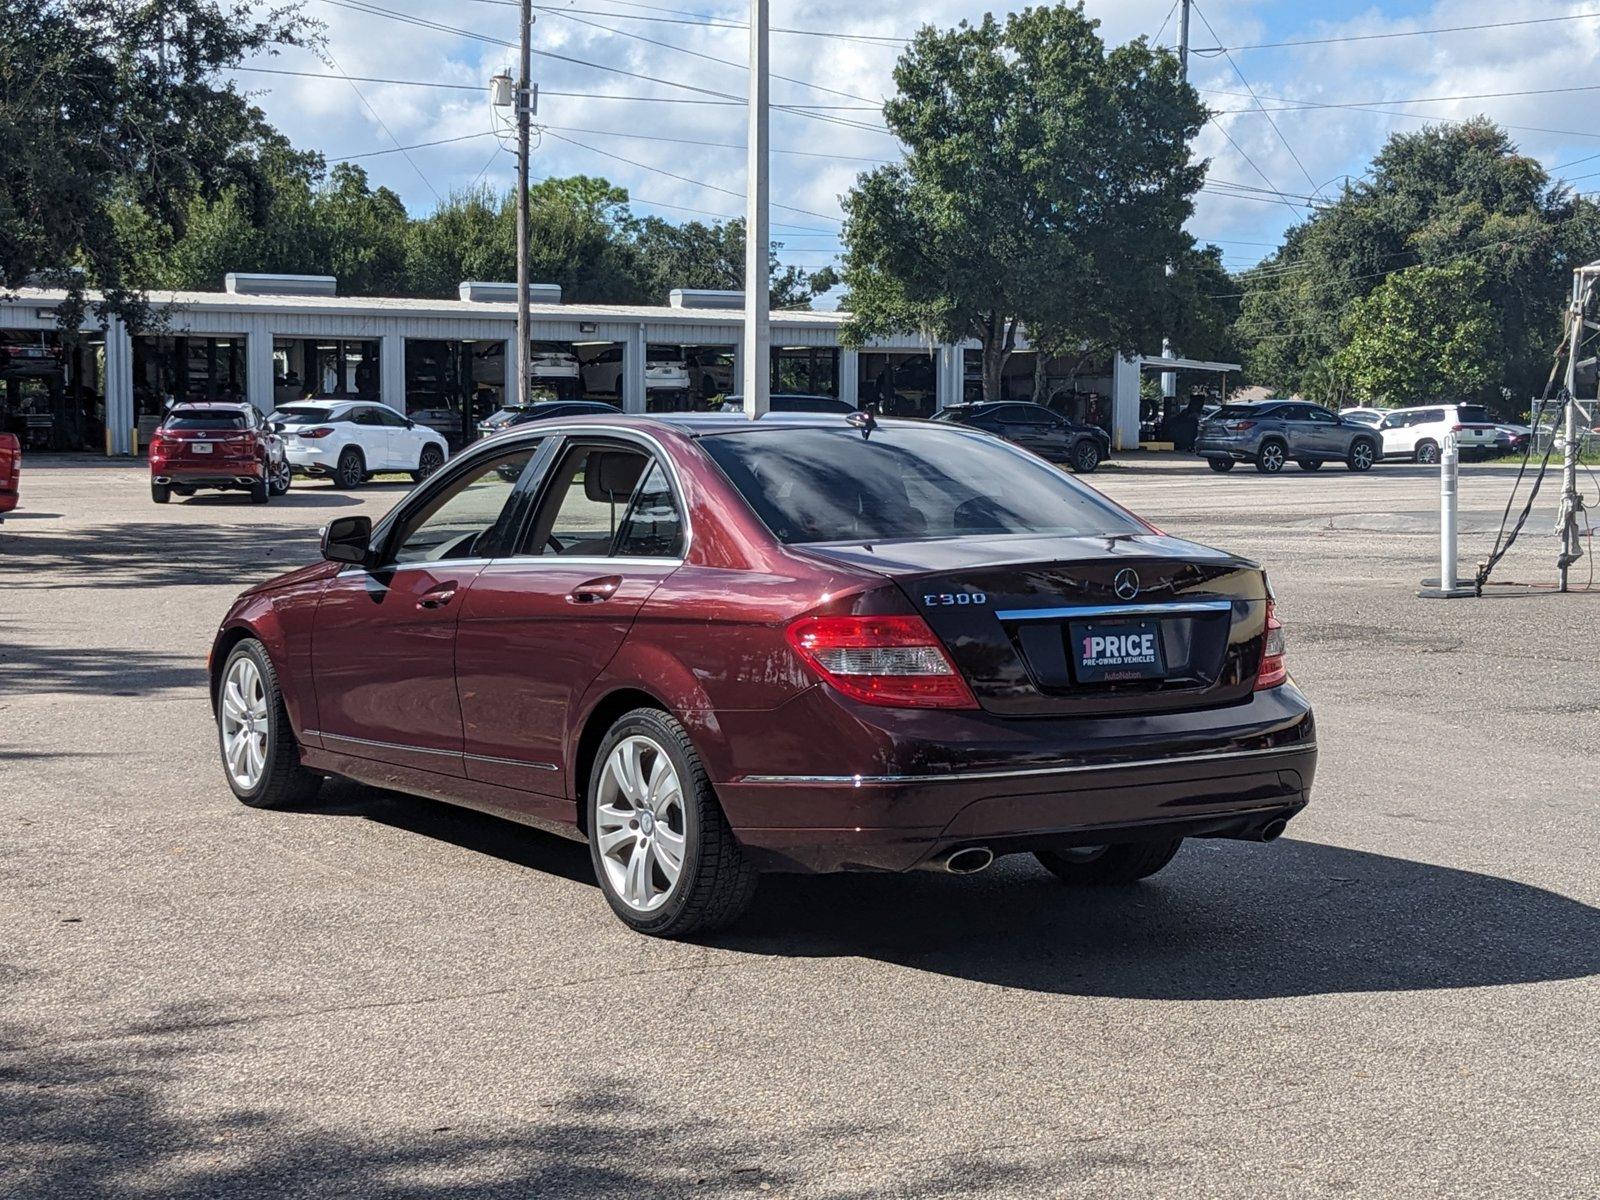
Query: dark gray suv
x=1274, y=432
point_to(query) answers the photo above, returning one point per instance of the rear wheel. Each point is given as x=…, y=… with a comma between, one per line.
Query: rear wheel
x=432, y=459
x=1271, y=457
x=160, y=492
x=1220, y=465
x=351, y=471
x=1362, y=455
x=1309, y=464
x=662, y=850
x=1085, y=456
x=1103, y=866
x=1427, y=452
x=259, y=753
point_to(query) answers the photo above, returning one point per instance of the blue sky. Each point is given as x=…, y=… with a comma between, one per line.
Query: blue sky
x=683, y=157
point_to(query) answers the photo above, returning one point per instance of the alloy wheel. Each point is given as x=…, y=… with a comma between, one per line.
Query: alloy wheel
x=1361, y=456
x=282, y=476
x=244, y=723
x=1271, y=459
x=1088, y=456
x=640, y=823
x=1427, y=453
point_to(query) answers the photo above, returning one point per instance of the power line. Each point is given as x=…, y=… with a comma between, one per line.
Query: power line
x=1402, y=33
x=1588, y=87
x=382, y=124
x=684, y=17
x=1289, y=203
x=465, y=137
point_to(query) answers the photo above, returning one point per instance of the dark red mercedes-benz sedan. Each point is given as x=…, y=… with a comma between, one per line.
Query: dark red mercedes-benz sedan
x=713, y=647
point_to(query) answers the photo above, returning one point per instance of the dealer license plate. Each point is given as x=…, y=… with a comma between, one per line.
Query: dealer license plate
x=1112, y=651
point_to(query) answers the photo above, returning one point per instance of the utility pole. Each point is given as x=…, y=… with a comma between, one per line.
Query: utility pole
x=757, y=237
x=524, y=103
x=1571, y=501
x=1169, y=379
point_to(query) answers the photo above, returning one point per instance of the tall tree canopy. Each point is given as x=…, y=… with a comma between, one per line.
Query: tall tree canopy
x=1046, y=182
x=1447, y=194
x=1421, y=336
x=110, y=103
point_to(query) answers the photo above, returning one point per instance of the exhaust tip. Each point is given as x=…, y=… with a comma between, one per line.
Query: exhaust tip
x=1273, y=830
x=969, y=861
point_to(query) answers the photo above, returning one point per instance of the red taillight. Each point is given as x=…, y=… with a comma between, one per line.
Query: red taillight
x=1274, y=665
x=890, y=660
x=1457, y=427
x=321, y=431
x=1239, y=426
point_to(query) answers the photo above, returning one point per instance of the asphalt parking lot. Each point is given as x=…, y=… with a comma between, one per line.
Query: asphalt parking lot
x=387, y=997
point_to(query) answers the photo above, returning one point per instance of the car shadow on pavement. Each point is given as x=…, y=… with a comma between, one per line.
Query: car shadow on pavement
x=139, y=1114
x=28, y=669
x=291, y=499
x=1226, y=921
x=156, y=554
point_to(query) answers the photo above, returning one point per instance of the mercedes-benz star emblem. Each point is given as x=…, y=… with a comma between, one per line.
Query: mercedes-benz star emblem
x=1126, y=584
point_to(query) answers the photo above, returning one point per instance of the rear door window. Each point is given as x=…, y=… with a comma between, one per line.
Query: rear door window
x=1473, y=414
x=603, y=500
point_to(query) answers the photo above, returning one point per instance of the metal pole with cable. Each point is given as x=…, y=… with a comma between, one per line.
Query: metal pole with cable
x=524, y=102
x=1571, y=501
x=757, y=234
x=1169, y=379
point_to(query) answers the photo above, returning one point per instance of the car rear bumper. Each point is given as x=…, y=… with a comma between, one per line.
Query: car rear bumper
x=210, y=475
x=1082, y=781
x=311, y=460
x=1219, y=447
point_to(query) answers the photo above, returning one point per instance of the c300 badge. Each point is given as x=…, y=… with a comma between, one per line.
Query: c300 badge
x=935, y=600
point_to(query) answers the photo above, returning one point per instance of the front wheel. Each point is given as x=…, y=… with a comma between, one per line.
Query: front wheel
x=1107, y=866
x=1362, y=456
x=662, y=850
x=260, y=756
x=1271, y=457
x=431, y=460
x=1220, y=465
x=1085, y=457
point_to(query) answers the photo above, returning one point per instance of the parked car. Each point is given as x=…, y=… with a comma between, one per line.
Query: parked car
x=714, y=647
x=1419, y=433
x=1511, y=439
x=664, y=370
x=10, y=472
x=1371, y=417
x=1271, y=433
x=1036, y=428
x=513, y=415
x=446, y=422
x=794, y=402
x=352, y=440
x=214, y=445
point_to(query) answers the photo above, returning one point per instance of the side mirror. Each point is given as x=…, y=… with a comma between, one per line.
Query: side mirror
x=347, y=540
x=410, y=424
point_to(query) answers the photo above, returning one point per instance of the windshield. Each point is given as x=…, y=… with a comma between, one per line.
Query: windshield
x=301, y=416
x=905, y=484
x=221, y=418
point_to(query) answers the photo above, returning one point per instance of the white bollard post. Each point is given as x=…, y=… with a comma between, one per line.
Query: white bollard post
x=1448, y=585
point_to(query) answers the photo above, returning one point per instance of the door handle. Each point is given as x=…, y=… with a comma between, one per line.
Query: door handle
x=439, y=597
x=595, y=590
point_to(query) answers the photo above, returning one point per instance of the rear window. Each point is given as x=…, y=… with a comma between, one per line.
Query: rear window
x=1472, y=414
x=905, y=484
x=302, y=416
x=222, y=418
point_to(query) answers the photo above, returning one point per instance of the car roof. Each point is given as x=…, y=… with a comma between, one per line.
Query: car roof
x=209, y=406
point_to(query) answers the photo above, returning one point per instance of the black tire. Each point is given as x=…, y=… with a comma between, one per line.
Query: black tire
x=1271, y=457
x=1308, y=464
x=1427, y=452
x=261, y=492
x=179, y=489
x=284, y=783
x=160, y=492
x=1085, y=457
x=1363, y=453
x=351, y=471
x=1220, y=465
x=716, y=883
x=431, y=459
x=279, y=478
x=1111, y=865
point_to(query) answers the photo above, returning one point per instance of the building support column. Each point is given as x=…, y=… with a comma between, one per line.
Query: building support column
x=738, y=364
x=1125, y=403
x=633, y=357
x=258, y=382
x=392, y=371
x=850, y=376
x=118, y=386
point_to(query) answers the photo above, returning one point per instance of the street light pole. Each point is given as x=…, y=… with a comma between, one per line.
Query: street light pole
x=757, y=236
x=1169, y=379
x=524, y=102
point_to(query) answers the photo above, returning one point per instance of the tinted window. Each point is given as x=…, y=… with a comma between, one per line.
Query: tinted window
x=1311, y=412
x=301, y=416
x=653, y=527
x=585, y=501
x=366, y=416
x=222, y=418
x=388, y=416
x=457, y=521
x=1473, y=414
x=1428, y=416
x=1239, y=412
x=827, y=485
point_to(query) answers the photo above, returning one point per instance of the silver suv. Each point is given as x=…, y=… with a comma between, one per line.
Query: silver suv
x=1274, y=432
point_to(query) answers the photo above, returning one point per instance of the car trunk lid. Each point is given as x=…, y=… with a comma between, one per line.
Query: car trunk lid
x=1092, y=626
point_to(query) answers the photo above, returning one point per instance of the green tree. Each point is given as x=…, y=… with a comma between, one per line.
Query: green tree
x=1449, y=193
x=1046, y=181
x=110, y=104
x=1423, y=336
x=695, y=254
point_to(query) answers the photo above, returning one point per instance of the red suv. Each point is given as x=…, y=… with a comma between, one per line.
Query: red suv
x=10, y=471
x=221, y=446
x=711, y=646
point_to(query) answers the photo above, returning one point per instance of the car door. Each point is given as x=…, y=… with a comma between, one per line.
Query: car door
x=1037, y=429
x=371, y=434
x=1324, y=436
x=539, y=626
x=404, y=440
x=383, y=641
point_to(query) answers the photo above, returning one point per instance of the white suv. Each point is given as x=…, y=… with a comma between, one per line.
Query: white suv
x=352, y=440
x=1419, y=433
